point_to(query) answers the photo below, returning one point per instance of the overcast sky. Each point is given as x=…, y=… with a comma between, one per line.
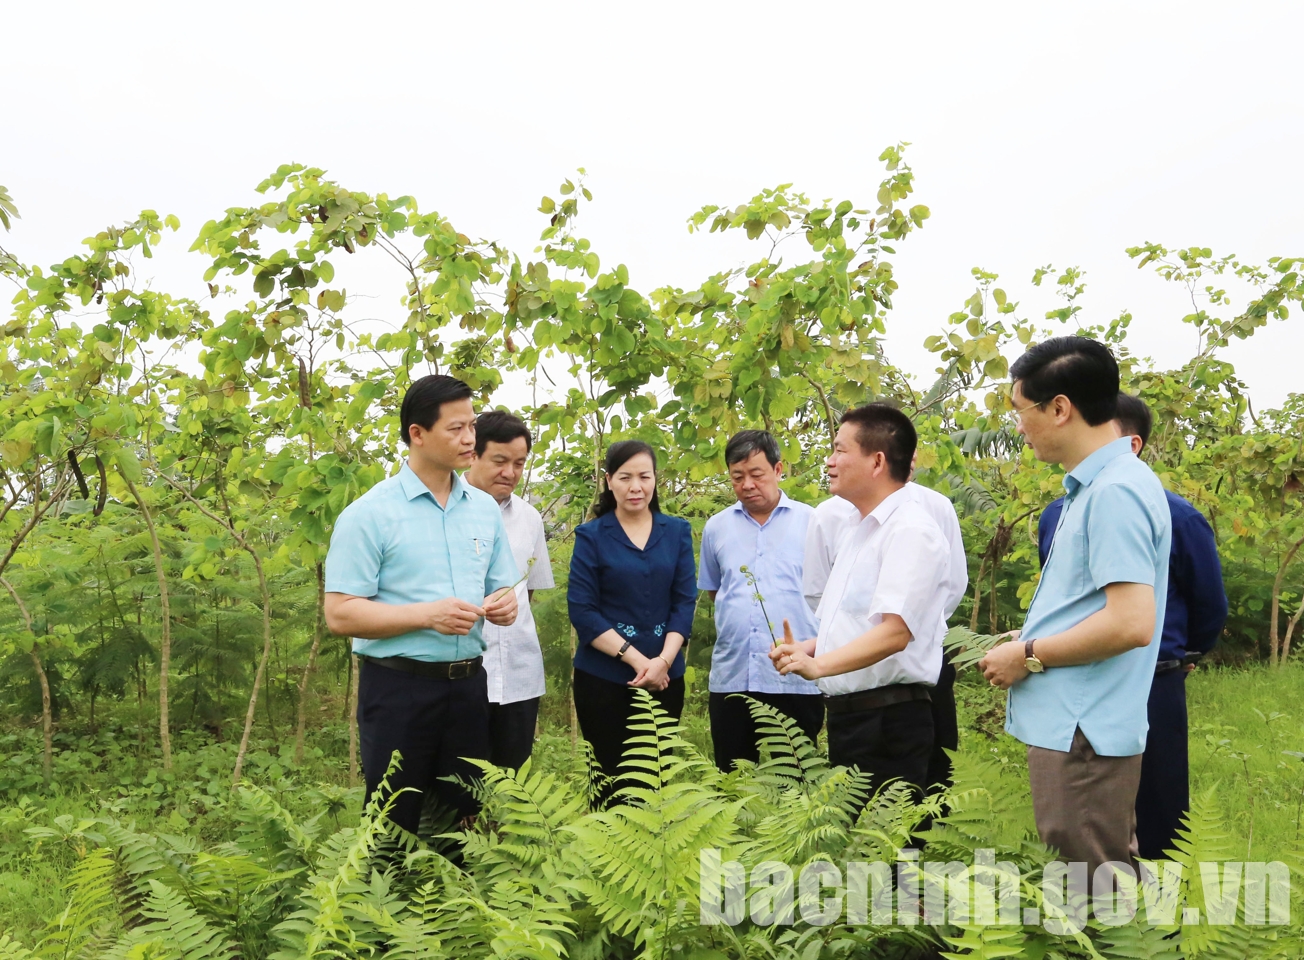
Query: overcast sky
x=1042, y=133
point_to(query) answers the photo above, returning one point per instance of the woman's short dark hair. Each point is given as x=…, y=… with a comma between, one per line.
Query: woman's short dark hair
x=425, y=397
x=499, y=426
x=744, y=443
x=619, y=454
x=1134, y=417
x=881, y=428
x=1079, y=368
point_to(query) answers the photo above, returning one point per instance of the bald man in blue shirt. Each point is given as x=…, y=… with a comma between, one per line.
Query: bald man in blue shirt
x=1193, y=619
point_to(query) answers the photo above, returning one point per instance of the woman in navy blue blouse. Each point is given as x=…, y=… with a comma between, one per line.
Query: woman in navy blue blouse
x=632, y=592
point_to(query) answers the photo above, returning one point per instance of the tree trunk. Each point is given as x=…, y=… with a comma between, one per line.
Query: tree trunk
x=165, y=639
x=318, y=629
x=262, y=667
x=47, y=714
x=978, y=594
x=1290, y=631
x=354, y=670
x=1273, y=633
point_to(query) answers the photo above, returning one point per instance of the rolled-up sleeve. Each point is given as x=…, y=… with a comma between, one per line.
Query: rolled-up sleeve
x=683, y=592
x=584, y=591
x=1122, y=545
x=912, y=582
x=354, y=557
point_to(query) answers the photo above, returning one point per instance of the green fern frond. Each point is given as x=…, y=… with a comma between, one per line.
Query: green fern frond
x=987, y=942
x=13, y=950
x=91, y=909
x=177, y=928
x=1139, y=941
x=966, y=647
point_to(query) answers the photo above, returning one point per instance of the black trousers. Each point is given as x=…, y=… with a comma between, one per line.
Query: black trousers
x=946, y=729
x=889, y=743
x=511, y=732
x=1165, y=793
x=604, y=709
x=733, y=733
x=432, y=724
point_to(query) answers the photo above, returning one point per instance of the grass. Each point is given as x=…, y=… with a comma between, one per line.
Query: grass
x=1246, y=743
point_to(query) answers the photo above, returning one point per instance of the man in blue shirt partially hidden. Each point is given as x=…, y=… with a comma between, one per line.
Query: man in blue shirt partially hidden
x=415, y=564
x=1079, y=675
x=764, y=532
x=1193, y=619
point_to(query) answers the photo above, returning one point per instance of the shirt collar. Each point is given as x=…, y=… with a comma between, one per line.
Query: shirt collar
x=1086, y=471
x=413, y=487
x=783, y=504
x=883, y=512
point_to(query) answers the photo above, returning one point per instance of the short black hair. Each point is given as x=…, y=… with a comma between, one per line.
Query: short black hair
x=1079, y=368
x=882, y=428
x=499, y=426
x=744, y=443
x=1134, y=417
x=619, y=454
x=423, y=400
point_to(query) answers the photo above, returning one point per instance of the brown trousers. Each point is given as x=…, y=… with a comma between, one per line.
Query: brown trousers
x=1085, y=804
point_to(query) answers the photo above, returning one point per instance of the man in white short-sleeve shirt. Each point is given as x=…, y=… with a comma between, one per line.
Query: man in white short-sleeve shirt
x=513, y=658
x=836, y=517
x=882, y=614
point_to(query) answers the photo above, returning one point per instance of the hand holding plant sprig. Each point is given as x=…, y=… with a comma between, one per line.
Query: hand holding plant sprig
x=494, y=600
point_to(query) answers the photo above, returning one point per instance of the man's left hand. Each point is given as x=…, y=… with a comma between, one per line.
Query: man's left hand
x=1005, y=664
x=500, y=609
x=793, y=657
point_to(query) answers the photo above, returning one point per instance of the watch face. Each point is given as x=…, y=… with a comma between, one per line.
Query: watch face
x=1034, y=665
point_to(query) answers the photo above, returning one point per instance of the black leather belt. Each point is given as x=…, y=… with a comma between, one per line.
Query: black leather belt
x=1167, y=666
x=437, y=670
x=879, y=697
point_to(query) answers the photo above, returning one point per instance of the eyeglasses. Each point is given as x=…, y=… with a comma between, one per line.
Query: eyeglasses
x=1018, y=412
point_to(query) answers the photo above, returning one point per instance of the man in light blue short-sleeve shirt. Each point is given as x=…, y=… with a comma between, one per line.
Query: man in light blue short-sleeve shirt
x=397, y=545
x=765, y=532
x=416, y=564
x=1079, y=674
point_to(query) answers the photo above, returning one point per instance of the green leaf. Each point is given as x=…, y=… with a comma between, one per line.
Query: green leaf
x=128, y=464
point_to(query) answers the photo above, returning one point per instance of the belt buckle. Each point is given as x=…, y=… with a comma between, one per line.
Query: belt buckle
x=459, y=670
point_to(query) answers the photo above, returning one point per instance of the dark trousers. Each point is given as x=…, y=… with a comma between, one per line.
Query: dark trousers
x=432, y=724
x=511, y=732
x=889, y=743
x=733, y=732
x=604, y=709
x=1164, y=794
x=946, y=729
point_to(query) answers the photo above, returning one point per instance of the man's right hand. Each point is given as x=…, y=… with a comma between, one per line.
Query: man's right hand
x=451, y=616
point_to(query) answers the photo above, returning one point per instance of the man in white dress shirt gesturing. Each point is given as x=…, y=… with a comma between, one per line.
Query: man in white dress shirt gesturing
x=829, y=525
x=882, y=613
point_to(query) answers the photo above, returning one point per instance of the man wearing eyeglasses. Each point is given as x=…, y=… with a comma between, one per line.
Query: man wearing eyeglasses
x=1079, y=674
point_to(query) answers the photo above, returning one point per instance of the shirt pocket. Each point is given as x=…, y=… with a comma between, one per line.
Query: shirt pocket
x=478, y=554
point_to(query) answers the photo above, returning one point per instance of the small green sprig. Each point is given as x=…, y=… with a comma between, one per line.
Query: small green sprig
x=504, y=591
x=756, y=595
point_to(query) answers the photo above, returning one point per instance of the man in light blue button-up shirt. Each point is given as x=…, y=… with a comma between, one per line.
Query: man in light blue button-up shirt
x=766, y=533
x=415, y=565
x=1079, y=674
